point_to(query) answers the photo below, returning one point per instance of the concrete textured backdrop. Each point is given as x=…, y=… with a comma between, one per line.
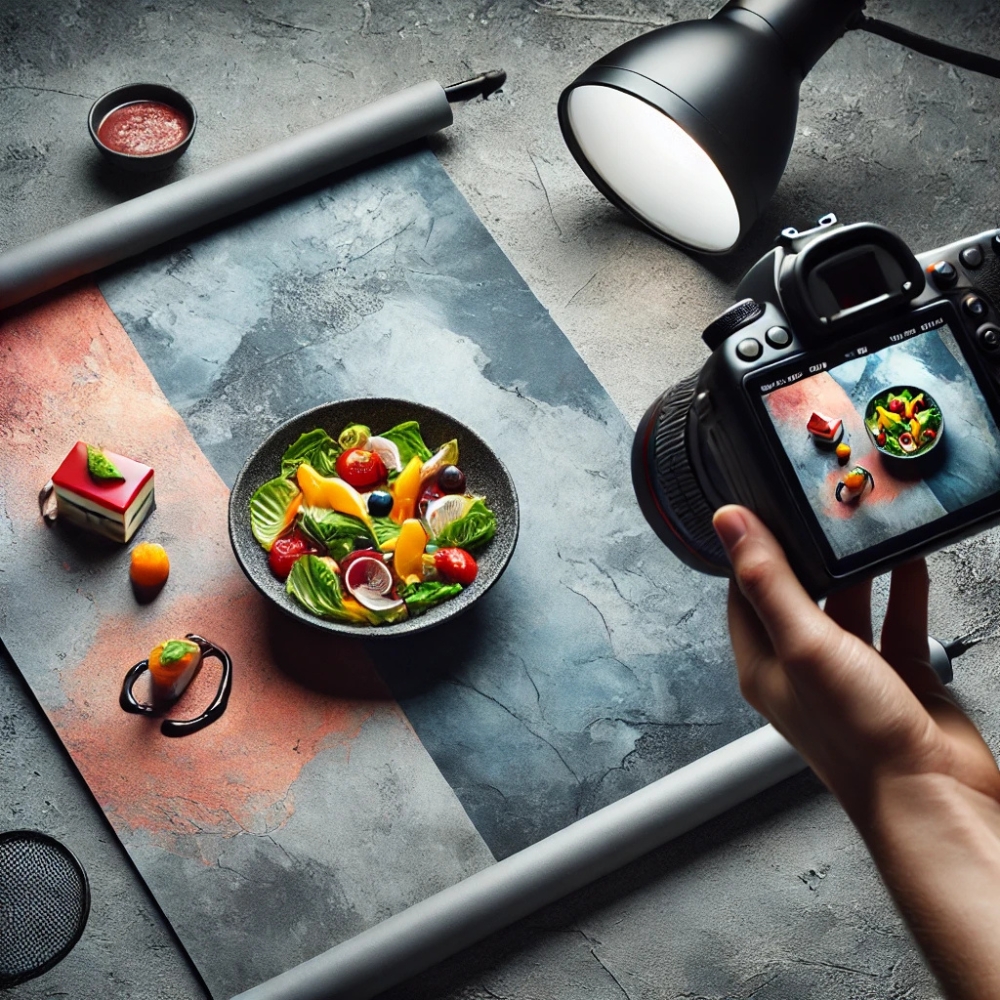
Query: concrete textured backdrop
x=777, y=900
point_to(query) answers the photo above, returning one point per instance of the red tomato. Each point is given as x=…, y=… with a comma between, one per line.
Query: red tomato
x=285, y=551
x=456, y=566
x=363, y=470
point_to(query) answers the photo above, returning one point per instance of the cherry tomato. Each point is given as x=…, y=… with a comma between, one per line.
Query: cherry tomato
x=897, y=405
x=285, y=551
x=361, y=469
x=456, y=566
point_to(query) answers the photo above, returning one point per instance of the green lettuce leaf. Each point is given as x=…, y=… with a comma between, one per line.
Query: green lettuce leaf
x=420, y=597
x=317, y=588
x=315, y=448
x=270, y=510
x=176, y=649
x=384, y=529
x=406, y=437
x=335, y=531
x=930, y=419
x=100, y=466
x=471, y=531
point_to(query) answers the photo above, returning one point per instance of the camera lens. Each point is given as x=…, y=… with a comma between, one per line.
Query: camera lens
x=666, y=484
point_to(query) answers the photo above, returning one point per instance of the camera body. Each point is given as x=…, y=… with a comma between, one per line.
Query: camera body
x=852, y=400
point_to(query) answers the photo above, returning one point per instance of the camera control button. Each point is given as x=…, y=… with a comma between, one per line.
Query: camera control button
x=735, y=317
x=971, y=257
x=989, y=336
x=778, y=337
x=943, y=273
x=975, y=307
x=749, y=349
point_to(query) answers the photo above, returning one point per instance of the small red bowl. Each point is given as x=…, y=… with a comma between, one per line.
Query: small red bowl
x=132, y=94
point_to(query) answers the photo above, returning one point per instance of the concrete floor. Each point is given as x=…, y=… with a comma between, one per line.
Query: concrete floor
x=776, y=900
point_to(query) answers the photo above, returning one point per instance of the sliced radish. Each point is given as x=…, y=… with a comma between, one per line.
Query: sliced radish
x=369, y=581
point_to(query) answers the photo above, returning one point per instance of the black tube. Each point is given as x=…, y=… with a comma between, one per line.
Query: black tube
x=807, y=28
x=479, y=86
x=975, y=61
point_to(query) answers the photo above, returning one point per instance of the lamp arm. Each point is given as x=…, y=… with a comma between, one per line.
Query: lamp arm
x=928, y=46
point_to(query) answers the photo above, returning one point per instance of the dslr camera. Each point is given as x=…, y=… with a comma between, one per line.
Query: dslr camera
x=851, y=401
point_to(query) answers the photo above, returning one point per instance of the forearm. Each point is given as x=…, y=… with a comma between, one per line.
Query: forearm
x=937, y=845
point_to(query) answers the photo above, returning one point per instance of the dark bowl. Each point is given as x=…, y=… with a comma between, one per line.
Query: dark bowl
x=149, y=162
x=899, y=460
x=485, y=475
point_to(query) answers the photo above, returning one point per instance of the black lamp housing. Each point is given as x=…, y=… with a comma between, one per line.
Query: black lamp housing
x=732, y=85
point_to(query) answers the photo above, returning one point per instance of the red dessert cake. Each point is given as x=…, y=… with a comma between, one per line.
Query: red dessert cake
x=112, y=505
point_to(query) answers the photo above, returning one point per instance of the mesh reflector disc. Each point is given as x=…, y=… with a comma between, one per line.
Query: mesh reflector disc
x=44, y=904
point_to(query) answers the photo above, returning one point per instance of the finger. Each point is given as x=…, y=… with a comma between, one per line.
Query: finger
x=851, y=609
x=904, y=632
x=794, y=623
x=751, y=646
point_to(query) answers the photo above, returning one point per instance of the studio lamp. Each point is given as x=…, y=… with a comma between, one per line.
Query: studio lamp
x=689, y=127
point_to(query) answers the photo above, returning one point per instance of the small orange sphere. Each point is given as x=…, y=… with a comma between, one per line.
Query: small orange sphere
x=150, y=566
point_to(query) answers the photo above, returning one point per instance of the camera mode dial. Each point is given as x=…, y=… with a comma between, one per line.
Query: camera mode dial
x=733, y=319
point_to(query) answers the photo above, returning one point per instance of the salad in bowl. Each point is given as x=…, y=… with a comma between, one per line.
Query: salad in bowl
x=904, y=422
x=358, y=523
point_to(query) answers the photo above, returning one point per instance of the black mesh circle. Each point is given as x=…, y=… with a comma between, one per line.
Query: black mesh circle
x=44, y=904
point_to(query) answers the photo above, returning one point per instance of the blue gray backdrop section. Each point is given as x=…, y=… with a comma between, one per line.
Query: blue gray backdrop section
x=599, y=662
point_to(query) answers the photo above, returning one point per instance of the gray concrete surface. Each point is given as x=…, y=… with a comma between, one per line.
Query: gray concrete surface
x=779, y=900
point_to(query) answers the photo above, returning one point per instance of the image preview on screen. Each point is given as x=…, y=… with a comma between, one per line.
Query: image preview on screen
x=966, y=468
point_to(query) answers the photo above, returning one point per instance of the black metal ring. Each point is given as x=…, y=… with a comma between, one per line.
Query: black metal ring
x=183, y=727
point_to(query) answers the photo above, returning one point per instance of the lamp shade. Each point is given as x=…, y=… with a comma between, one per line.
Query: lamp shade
x=689, y=127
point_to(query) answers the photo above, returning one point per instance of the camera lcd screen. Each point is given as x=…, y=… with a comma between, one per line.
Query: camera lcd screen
x=856, y=280
x=923, y=441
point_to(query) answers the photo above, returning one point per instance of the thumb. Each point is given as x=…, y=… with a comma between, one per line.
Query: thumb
x=794, y=622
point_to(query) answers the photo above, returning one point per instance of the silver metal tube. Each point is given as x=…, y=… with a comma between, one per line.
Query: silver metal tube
x=436, y=928
x=178, y=208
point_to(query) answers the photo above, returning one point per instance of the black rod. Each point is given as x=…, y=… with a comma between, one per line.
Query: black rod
x=482, y=85
x=975, y=61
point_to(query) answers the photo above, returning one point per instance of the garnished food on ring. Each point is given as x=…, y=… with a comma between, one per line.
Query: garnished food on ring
x=854, y=484
x=369, y=529
x=904, y=422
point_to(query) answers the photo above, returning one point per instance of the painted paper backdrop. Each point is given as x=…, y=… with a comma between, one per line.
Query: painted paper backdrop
x=348, y=779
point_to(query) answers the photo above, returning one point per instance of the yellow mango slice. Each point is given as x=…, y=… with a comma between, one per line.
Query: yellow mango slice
x=408, y=560
x=330, y=492
x=404, y=491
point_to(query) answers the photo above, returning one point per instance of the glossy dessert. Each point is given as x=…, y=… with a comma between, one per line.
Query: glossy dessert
x=110, y=497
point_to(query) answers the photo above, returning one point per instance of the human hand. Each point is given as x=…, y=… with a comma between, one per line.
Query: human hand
x=881, y=731
x=856, y=716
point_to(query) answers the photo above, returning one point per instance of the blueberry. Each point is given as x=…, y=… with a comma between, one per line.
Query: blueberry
x=451, y=479
x=380, y=503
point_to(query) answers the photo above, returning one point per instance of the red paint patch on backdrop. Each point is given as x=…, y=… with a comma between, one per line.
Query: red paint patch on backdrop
x=68, y=372
x=793, y=405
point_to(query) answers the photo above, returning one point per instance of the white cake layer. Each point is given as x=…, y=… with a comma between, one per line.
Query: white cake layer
x=120, y=527
x=87, y=504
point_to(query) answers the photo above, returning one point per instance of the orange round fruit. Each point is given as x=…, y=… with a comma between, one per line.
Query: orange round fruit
x=150, y=566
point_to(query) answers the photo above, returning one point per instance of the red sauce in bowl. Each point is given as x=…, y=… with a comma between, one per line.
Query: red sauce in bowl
x=143, y=128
